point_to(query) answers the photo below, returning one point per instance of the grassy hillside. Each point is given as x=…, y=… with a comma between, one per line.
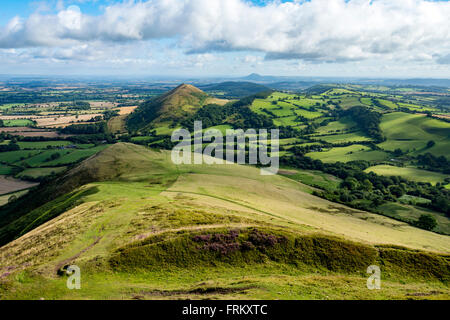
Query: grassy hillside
x=411, y=132
x=140, y=227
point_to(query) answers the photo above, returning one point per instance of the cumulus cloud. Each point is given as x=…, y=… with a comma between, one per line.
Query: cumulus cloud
x=315, y=31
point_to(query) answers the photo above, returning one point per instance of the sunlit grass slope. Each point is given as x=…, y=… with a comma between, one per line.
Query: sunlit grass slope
x=145, y=228
x=411, y=132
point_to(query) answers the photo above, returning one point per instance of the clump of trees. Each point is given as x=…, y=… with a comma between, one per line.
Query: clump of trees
x=11, y=146
x=53, y=156
x=108, y=114
x=76, y=105
x=237, y=114
x=99, y=127
x=368, y=120
x=427, y=222
x=433, y=163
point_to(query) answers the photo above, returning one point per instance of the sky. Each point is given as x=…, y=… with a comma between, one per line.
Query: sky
x=209, y=38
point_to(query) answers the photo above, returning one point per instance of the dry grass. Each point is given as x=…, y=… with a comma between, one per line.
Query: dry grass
x=117, y=124
x=54, y=121
x=126, y=110
x=103, y=104
x=19, y=129
x=62, y=121
x=31, y=132
x=218, y=101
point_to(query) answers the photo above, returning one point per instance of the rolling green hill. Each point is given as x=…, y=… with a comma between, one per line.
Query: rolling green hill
x=140, y=227
x=411, y=132
x=172, y=107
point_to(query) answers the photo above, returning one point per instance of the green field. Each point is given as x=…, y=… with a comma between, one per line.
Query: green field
x=222, y=128
x=412, y=174
x=411, y=132
x=44, y=157
x=5, y=170
x=287, y=121
x=75, y=156
x=337, y=126
x=345, y=137
x=349, y=102
x=36, y=173
x=412, y=213
x=43, y=144
x=313, y=178
x=305, y=102
x=308, y=114
x=14, y=156
x=18, y=123
x=388, y=103
x=350, y=153
x=10, y=105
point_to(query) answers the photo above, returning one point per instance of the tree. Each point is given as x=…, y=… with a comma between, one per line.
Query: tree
x=350, y=183
x=368, y=185
x=430, y=144
x=2, y=124
x=427, y=222
x=396, y=191
x=398, y=152
x=441, y=203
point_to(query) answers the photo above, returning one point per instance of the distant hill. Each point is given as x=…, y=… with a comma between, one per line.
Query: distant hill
x=173, y=106
x=234, y=89
x=258, y=77
x=320, y=88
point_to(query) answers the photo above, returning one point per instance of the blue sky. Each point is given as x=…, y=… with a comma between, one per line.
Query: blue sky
x=355, y=38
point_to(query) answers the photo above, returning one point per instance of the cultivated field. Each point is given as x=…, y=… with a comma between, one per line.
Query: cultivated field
x=9, y=185
x=412, y=174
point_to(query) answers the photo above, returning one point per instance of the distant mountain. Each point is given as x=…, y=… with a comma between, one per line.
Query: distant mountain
x=260, y=78
x=234, y=89
x=173, y=106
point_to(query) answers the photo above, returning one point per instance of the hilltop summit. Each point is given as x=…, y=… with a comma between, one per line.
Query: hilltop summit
x=173, y=106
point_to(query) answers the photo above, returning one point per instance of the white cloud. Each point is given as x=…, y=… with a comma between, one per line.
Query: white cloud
x=70, y=18
x=313, y=31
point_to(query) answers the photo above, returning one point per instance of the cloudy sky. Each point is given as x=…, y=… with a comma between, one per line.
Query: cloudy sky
x=362, y=38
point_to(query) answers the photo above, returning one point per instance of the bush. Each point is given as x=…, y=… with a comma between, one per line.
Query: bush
x=427, y=222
